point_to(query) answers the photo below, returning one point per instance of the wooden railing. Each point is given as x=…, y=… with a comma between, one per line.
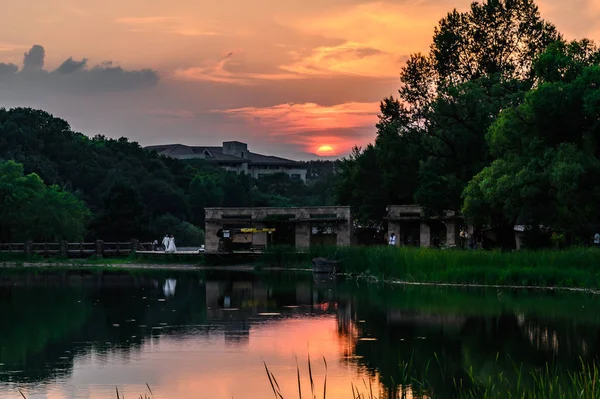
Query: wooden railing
x=75, y=249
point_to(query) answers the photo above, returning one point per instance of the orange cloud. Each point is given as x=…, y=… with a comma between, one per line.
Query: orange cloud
x=6, y=47
x=378, y=37
x=172, y=25
x=295, y=118
x=311, y=124
x=218, y=72
x=350, y=58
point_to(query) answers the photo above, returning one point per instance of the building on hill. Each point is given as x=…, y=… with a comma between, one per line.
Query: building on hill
x=234, y=156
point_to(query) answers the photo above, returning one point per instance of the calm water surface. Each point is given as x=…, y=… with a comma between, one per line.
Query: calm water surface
x=206, y=335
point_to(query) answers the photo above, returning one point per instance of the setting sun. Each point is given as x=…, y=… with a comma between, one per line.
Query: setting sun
x=325, y=150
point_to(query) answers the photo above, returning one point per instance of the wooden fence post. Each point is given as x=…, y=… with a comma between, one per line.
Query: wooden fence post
x=99, y=248
x=28, y=247
x=64, y=248
x=134, y=246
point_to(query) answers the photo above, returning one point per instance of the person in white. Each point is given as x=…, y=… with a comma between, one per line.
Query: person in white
x=597, y=240
x=165, y=242
x=171, y=246
x=392, y=239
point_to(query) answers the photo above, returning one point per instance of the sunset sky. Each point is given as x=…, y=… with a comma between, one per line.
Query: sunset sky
x=286, y=76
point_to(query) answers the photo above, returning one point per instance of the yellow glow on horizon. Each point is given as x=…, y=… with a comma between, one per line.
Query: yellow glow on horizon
x=325, y=150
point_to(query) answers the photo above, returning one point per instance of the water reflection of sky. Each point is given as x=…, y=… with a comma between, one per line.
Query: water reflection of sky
x=191, y=365
x=80, y=335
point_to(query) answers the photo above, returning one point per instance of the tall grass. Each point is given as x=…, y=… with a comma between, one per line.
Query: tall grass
x=547, y=382
x=577, y=267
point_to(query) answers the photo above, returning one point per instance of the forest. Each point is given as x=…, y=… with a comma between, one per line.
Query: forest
x=499, y=121
x=59, y=184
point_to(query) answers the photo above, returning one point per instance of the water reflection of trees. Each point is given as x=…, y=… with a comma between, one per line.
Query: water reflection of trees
x=444, y=341
x=49, y=320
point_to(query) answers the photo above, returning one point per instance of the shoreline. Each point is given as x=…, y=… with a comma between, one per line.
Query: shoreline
x=374, y=279
x=145, y=266
x=253, y=268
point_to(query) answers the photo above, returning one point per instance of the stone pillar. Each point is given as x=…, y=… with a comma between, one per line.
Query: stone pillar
x=211, y=241
x=451, y=233
x=344, y=235
x=302, y=236
x=425, y=235
x=394, y=227
x=470, y=229
x=259, y=238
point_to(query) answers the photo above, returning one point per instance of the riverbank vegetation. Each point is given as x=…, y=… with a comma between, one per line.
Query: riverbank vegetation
x=575, y=267
x=550, y=382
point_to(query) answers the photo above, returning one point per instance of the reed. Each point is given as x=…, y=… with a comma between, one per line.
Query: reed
x=576, y=267
x=548, y=382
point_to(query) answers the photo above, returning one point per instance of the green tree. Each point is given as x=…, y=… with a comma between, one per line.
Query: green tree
x=185, y=233
x=123, y=216
x=547, y=149
x=360, y=186
x=31, y=210
x=431, y=140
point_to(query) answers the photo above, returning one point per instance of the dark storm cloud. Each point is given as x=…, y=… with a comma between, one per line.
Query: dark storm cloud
x=8, y=69
x=34, y=59
x=72, y=76
x=70, y=66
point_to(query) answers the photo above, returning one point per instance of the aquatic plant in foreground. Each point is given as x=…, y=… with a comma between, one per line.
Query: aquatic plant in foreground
x=544, y=382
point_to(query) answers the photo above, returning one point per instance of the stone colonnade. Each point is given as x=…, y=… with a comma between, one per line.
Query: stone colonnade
x=399, y=215
x=302, y=218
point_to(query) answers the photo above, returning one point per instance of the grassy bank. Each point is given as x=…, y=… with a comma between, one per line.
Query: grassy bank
x=577, y=267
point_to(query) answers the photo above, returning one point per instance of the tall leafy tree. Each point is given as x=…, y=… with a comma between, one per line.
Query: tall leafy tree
x=480, y=62
x=30, y=210
x=547, y=149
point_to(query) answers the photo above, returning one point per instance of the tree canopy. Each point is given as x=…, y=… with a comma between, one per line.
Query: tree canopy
x=131, y=192
x=499, y=89
x=547, y=149
x=31, y=210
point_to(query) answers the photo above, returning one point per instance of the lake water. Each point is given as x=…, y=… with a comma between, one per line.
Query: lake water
x=206, y=334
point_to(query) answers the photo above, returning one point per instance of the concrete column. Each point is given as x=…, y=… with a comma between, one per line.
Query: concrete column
x=451, y=233
x=302, y=236
x=425, y=235
x=394, y=227
x=211, y=241
x=470, y=229
x=344, y=234
x=259, y=238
